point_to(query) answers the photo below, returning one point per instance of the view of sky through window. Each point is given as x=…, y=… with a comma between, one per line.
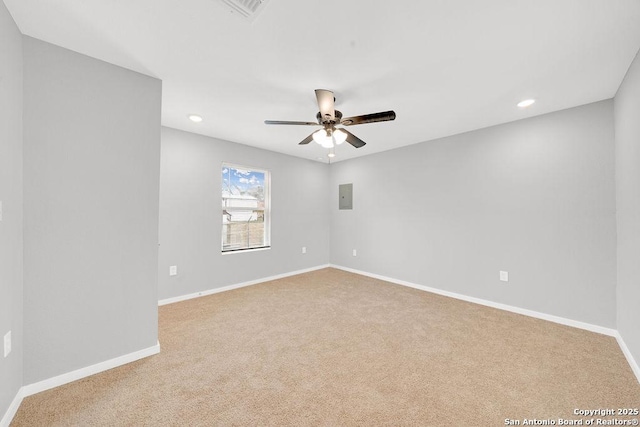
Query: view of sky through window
x=238, y=181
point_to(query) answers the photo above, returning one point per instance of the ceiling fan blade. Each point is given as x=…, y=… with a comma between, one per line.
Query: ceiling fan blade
x=369, y=118
x=306, y=140
x=353, y=140
x=286, y=122
x=326, y=103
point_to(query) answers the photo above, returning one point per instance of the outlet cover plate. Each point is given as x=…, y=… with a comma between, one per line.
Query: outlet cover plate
x=504, y=276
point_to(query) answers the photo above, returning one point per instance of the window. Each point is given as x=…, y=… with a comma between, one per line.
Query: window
x=245, y=208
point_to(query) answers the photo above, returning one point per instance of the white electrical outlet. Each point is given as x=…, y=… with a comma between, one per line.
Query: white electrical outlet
x=504, y=276
x=304, y=249
x=354, y=253
x=173, y=270
x=7, y=344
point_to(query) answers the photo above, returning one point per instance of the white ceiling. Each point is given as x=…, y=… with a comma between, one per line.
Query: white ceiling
x=444, y=66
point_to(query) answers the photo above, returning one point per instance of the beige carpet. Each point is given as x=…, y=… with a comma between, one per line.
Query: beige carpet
x=334, y=348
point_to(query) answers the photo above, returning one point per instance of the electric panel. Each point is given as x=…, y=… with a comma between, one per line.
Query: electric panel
x=345, y=194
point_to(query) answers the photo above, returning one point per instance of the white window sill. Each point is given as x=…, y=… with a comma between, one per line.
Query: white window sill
x=242, y=251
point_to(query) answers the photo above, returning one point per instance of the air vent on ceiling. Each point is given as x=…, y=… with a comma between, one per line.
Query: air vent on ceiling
x=247, y=9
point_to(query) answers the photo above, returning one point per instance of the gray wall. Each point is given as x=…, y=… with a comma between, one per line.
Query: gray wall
x=190, y=214
x=627, y=126
x=11, y=196
x=91, y=188
x=534, y=197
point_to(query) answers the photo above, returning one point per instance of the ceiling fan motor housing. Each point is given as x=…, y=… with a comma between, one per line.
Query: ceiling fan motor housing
x=337, y=114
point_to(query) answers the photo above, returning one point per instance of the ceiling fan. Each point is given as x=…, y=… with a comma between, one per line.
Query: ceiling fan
x=328, y=117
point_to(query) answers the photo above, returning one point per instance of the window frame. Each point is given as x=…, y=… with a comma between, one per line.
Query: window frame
x=266, y=210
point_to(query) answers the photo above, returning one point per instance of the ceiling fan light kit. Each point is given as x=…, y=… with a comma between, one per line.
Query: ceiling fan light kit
x=329, y=138
x=339, y=136
x=328, y=117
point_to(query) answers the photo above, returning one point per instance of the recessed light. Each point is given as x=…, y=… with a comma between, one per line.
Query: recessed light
x=195, y=118
x=526, y=103
x=331, y=154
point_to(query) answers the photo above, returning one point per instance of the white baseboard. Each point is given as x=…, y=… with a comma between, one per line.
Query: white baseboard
x=627, y=353
x=59, y=380
x=131, y=357
x=556, y=319
x=511, y=308
x=237, y=285
x=13, y=408
x=90, y=370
